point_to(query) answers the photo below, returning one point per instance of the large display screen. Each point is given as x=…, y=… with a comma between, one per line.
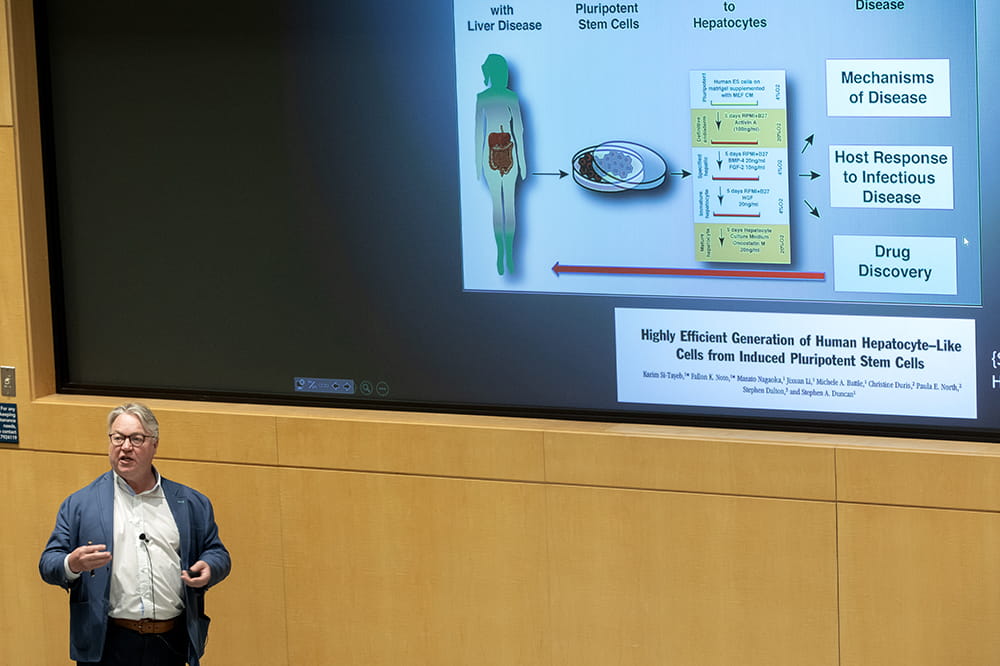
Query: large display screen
x=766, y=214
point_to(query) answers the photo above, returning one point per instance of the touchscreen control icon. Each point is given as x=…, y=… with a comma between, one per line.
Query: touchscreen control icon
x=324, y=385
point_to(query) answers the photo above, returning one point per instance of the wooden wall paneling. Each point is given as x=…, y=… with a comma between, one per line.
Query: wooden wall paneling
x=642, y=577
x=37, y=370
x=383, y=570
x=248, y=608
x=188, y=431
x=69, y=429
x=919, y=587
x=948, y=477
x=6, y=94
x=13, y=327
x=493, y=452
x=34, y=616
x=690, y=463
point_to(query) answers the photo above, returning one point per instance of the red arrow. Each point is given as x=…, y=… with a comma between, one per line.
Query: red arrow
x=558, y=269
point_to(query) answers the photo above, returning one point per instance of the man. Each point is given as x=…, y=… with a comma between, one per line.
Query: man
x=136, y=553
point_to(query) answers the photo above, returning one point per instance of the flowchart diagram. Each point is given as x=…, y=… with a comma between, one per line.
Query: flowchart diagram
x=739, y=134
x=668, y=153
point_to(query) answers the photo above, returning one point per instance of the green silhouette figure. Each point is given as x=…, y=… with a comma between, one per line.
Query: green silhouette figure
x=500, y=152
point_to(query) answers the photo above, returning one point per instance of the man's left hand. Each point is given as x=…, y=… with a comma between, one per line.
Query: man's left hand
x=198, y=575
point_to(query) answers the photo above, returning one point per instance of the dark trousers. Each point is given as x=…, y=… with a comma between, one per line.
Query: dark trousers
x=124, y=647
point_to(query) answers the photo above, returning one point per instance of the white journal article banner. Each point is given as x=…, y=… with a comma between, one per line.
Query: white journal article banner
x=905, y=366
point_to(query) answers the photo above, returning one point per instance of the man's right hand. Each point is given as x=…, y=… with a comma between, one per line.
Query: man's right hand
x=88, y=558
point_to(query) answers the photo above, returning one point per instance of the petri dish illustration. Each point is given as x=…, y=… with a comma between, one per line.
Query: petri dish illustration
x=618, y=166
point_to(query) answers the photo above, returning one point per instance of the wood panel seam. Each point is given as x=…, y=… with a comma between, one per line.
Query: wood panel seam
x=389, y=473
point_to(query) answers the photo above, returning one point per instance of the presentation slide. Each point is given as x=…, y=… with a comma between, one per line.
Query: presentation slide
x=780, y=150
x=786, y=151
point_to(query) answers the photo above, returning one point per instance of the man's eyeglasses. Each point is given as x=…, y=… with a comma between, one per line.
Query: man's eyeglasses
x=137, y=439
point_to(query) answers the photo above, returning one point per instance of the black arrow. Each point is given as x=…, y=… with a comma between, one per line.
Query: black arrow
x=683, y=173
x=809, y=142
x=812, y=175
x=722, y=241
x=719, y=161
x=812, y=209
x=718, y=120
x=720, y=196
x=560, y=173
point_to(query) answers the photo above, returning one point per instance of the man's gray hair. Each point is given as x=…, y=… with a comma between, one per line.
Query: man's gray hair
x=139, y=411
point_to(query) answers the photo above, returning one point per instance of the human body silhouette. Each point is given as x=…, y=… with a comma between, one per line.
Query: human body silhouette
x=500, y=152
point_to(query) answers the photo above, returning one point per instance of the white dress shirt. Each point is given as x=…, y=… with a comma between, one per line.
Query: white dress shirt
x=145, y=572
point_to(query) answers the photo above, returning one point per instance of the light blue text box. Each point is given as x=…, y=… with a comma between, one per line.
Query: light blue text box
x=895, y=264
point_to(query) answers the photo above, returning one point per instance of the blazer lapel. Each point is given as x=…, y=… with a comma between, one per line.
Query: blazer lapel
x=178, y=507
x=106, y=509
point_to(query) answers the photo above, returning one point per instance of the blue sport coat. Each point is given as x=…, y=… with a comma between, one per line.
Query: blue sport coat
x=87, y=516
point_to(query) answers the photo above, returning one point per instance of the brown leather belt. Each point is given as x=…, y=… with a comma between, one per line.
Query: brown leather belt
x=146, y=626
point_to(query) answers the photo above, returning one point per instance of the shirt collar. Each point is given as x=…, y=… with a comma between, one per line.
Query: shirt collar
x=123, y=484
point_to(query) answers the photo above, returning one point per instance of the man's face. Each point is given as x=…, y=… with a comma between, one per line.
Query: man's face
x=131, y=462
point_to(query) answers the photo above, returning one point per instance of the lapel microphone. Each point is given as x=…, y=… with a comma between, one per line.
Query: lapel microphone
x=146, y=541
